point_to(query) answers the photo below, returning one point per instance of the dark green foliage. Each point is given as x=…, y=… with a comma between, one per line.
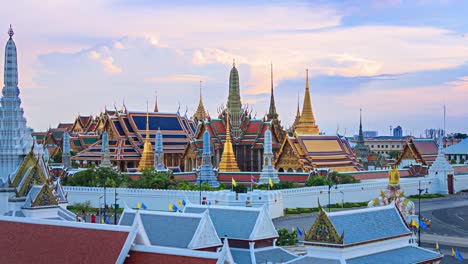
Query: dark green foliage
x=332, y=178
x=394, y=154
x=57, y=158
x=286, y=238
x=97, y=178
x=427, y=196
x=150, y=179
x=240, y=188
x=277, y=186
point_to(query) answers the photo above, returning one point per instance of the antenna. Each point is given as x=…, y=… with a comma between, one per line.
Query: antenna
x=443, y=132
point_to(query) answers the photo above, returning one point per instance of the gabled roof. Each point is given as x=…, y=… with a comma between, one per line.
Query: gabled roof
x=369, y=224
x=404, y=255
x=245, y=223
x=47, y=241
x=423, y=151
x=460, y=148
x=173, y=229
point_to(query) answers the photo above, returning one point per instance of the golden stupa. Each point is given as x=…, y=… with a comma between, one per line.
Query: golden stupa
x=228, y=161
x=306, y=124
x=147, y=158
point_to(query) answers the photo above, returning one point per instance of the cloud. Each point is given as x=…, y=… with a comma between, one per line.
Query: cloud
x=109, y=66
x=179, y=78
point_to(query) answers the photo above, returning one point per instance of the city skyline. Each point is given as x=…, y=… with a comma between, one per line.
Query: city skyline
x=400, y=71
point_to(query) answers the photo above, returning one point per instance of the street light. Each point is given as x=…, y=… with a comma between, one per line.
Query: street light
x=329, y=188
x=420, y=191
x=342, y=199
x=100, y=213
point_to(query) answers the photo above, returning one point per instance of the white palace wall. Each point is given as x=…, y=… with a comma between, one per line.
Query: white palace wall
x=276, y=200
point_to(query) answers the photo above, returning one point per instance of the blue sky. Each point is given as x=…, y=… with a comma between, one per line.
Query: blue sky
x=398, y=60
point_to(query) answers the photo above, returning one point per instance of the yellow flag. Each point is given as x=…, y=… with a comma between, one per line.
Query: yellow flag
x=102, y=220
x=139, y=205
x=171, y=207
x=270, y=181
x=414, y=223
x=234, y=183
x=179, y=202
x=453, y=253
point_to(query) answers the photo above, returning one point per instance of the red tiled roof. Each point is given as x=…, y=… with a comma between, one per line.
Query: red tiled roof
x=426, y=147
x=147, y=257
x=51, y=241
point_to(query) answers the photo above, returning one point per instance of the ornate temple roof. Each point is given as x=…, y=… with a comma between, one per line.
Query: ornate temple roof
x=127, y=132
x=322, y=151
x=460, y=148
x=422, y=151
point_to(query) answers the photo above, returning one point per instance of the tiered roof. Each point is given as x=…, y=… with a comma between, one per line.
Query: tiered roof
x=322, y=151
x=127, y=132
x=422, y=151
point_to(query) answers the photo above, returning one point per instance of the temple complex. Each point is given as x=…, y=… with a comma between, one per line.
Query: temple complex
x=306, y=149
x=15, y=136
x=246, y=133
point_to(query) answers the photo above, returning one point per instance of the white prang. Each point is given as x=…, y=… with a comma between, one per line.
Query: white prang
x=15, y=136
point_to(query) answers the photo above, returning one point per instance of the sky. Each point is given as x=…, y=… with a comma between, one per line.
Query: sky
x=399, y=61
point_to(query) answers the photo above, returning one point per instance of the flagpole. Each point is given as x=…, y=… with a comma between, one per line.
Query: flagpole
x=251, y=188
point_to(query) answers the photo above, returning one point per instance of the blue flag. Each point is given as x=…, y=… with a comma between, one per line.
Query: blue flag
x=143, y=205
x=298, y=230
x=107, y=221
x=422, y=224
x=459, y=256
x=183, y=202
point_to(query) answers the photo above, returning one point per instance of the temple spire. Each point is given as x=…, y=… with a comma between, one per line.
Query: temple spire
x=200, y=114
x=16, y=140
x=298, y=114
x=361, y=135
x=272, y=111
x=147, y=160
x=228, y=161
x=156, y=109
x=11, y=32
x=307, y=120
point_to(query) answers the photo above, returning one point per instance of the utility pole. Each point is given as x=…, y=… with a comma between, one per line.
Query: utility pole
x=116, y=206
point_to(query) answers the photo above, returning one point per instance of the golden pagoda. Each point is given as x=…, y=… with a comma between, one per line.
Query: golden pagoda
x=200, y=114
x=228, y=161
x=306, y=125
x=147, y=160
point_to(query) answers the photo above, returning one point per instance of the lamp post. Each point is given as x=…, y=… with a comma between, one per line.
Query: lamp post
x=115, y=205
x=342, y=199
x=329, y=191
x=420, y=191
x=100, y=211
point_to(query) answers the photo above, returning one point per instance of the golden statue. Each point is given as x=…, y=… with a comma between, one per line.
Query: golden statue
x=394, y=176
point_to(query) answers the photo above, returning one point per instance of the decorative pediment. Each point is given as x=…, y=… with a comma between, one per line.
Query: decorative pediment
x=30, y=173
x=205, y=235
x=45, y=197
x=323, y=230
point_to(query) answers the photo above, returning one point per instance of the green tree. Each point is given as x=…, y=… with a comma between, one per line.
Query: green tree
x=151, y=179
x=394, y=154
x=82, y=207
x=97, y=178
x=285, y=238
x=316, y=181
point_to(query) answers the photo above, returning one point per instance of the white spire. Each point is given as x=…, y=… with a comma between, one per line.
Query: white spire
x=15, y=136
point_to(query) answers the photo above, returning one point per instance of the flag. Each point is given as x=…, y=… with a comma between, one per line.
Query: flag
x=252, y=180
x=459, y=256
x=414, y=223
x=171, y=207
x=183, y=202
x=270, y=181
x=298, y=230
x=437, y=247
x=234, y=183
x=179, y=202
x=175, y=208
x=453, y=252
x=139, y=205
x=422, y=224
x=102, y=220
x=293, y=229
x=143, y=205
x=107, y=221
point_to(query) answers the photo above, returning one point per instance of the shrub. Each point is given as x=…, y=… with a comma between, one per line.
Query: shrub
x=285, y=238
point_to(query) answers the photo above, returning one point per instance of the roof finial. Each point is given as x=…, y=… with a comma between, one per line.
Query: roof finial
x=271, y=77
x=234, y=63
x=307, y=78
x=200, y=91
x=10, y=32
x=147, y=120
x=156, y=109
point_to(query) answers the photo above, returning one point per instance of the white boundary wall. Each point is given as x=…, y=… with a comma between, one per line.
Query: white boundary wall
x=306, y=197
